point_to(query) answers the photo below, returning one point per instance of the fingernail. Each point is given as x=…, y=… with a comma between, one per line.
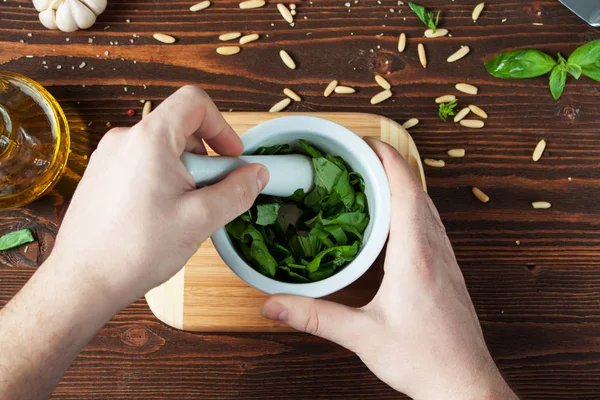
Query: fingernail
x=275, y=311
x=263, y=178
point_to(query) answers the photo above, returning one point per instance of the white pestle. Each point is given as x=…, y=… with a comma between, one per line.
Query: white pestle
x=287, y=172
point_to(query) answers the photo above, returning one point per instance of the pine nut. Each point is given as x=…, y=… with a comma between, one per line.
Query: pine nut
x=229, y=36
x=438, y=33
x=344, y=90
x=228, y=50
x=381, y=97
x=200, y=6
x=445, y=99
x=457, y=153
x=401, y=42
x=410, y=123
x=245, y=5
x=281, y=105
x=484, y=198
x=285, y=13
x=147, y=108
x=478, y=111
x=291, y=94
x=434, y=163
x=461, y=114
x=460, y=53
x=477, y=11
x=472, y=123
x=422, y=55
x=161, y=37
x=539, y=150
x=466, y=88
x=330, y=88
x=382, y=82
x=249, y=38
x=541, y=205
x=287, y=60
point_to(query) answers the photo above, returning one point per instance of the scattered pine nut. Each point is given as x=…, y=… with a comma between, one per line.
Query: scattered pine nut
x=434, y=163
x=539, y=150
x=461, y=114
x=422, y=55
x=330, y=88
x=410, y=123
x=287, y=60
x=484, y=198
x=200, y=6
x=460, y=53
x=147, y=108
x=401, y=42
x=228, y=50
x=291, y=94
x=445, y=99
x=381, y=97
x=344, y=90
x=541, y=205
x=285, y=12
x=472, y=123
x=281, y=105
x=245, y=5
x=382, y=82
x=478, y=111
x=456, y=153
x=466, y=88
x=477, y=11
x=438, y=33
x=161, y=37
x=229, y=36
x=249, y=38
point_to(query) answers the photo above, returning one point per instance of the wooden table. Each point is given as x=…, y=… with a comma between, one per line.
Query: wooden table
x=538, y=301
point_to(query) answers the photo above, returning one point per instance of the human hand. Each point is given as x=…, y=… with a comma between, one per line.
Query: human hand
x=136, y=216
x=420, y=334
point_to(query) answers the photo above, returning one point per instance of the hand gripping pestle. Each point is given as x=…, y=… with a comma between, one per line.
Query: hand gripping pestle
x=288, y=172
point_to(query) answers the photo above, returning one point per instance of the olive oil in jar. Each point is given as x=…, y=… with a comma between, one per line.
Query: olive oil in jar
x=34, y=141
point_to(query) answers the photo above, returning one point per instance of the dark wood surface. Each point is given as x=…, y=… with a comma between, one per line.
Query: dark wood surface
x=538, y=301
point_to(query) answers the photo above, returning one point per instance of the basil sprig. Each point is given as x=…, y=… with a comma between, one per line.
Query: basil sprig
x=531, y=63
x=426, y=16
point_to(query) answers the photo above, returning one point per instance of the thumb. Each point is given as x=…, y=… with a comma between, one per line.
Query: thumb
x=343, y=325
x=219, y=204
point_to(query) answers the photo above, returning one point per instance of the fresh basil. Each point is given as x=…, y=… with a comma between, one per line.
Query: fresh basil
x=587, y=57
x=574, y=70
x=447, y=109
x=426, y=16
x=558, y=80
x=327, y=235
x=519, y=64
x=16, y=239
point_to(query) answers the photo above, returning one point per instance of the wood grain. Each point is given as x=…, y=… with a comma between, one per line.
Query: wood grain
x=538, y=301
x=206, y=296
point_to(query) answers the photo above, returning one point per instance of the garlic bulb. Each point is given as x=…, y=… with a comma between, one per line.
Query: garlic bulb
x=69, y=15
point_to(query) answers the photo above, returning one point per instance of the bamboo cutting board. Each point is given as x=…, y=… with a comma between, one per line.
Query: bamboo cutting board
x=205, y=296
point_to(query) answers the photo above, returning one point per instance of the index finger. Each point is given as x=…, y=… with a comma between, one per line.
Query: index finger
x=188, y=116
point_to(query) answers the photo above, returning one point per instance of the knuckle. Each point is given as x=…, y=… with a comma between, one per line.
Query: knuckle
x=312, y=324
x=194, y=90
x=243, y=197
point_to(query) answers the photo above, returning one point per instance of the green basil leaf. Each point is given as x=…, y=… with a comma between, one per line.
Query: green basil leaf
x=322, y=273
x=314, y=199
x=426, y=16
x=267, y=213
x=326, y=173
x=236, y=228
x=558, y=80
x=259, y=253
x=16, y=239
x=310, y=150
x=344, y=251
x=295, y=276
x=592, y=71
x=311, y=245
x=345, y=190
x=337, y=232
x=574, y=69
x=352, y=218
x=518, y=64
x=272, y=150
x=322, y=235
x=360, y=202
x=586, y=55
x=298, y=196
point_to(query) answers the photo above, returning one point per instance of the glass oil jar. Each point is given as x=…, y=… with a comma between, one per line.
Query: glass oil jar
x=34, y=140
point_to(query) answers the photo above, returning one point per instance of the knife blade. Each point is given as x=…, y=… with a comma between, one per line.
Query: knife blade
x=588, y=10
